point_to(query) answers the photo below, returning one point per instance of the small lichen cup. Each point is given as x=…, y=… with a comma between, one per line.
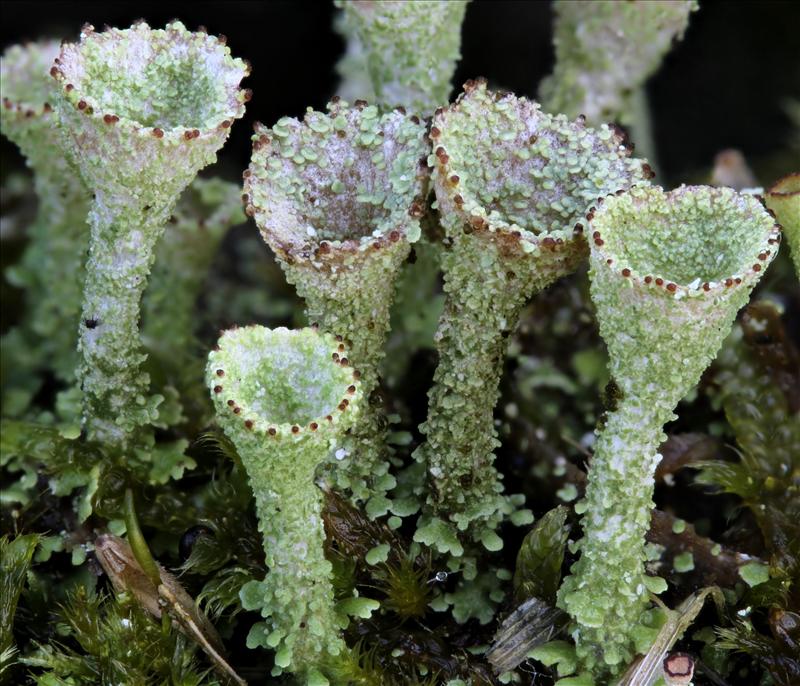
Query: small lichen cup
x=669, y=271
x=783, y=198
x=338, y=197
x=142, y=111
x=51, y=269
x=409, y=48
x=286, y=398
x=512, y=186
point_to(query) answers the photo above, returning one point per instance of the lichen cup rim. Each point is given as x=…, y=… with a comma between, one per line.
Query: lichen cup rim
x=27, y=108
x=390, y=229
x=786, y=187
x=233, y=105
x=227, y=386
x=464, y=200
x=764, y=246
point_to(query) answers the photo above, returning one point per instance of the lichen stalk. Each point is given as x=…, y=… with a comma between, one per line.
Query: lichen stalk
x=338, y=197
x=410, y=48
x=668, y=273
x=51, y=269
x=512, y=186
x=784, y=200
x=142, y=111
x=605, y=51
x=285, y=399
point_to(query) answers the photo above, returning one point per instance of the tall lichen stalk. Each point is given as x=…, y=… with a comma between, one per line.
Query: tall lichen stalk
x=512, y=185
x=668, y=273
x=408, y=48
x=59, y=235
x=141, y=111
x=605, y=52
x=338, y=197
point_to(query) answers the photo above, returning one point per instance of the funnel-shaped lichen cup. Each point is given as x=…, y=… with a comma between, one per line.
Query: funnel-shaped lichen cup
x=783, y=198
x=142, y=111
x=669, y=271
x=338, y=197
x=285, y=399
x=512, y=185
x=51, y=270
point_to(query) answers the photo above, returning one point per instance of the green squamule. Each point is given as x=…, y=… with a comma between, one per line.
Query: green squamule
x=669, y=271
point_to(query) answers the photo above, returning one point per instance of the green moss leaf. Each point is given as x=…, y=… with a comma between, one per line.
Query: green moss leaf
x=540, y=557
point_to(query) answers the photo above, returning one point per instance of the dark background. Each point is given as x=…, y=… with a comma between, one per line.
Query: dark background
x=724, y=86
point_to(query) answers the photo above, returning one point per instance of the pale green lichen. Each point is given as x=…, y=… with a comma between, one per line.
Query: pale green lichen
x=512, y=186
x=410, y=48
x=285, y=399
x=142, y=111
x=668, y=273
x=338, y=198
x=51, y=270
x=201, y=219
x=784, y=200
x=352, y=69
x=606, y=50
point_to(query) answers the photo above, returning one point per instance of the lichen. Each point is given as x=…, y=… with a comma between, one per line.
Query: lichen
x=512, y=185
x=58, y=237
x=606, y=50
x=338, y=198
x=141, y=110
x=285, y=398
x=409, y=47
x=668, y=273
x=783, y=198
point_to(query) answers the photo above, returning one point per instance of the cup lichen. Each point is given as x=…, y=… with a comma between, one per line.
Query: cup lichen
x=512, y=187
x=669, y=271
x=142, y=111
x=606, y=50
x=285, y=398
x=338, y=196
